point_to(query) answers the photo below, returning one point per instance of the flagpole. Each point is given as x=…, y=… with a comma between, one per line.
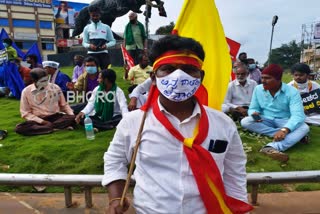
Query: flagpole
x=133, y=159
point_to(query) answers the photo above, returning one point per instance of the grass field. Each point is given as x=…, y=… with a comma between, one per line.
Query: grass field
x=68, y=152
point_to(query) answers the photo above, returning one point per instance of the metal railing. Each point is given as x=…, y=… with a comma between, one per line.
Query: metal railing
x=90, y=181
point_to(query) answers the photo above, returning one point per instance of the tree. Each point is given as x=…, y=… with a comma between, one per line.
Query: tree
x=287, y=55
x=164, y=30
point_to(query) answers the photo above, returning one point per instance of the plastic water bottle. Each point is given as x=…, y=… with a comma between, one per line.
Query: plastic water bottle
x=89, y=128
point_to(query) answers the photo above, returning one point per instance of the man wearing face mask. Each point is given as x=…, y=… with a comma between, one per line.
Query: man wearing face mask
x=56, y=76
x=42, y=104
x=185, y=148
x=107, y=104
x=78, y=68
x=239, y=93
x=300, y=73
x=135, y=38
x=254, y=71
x=12, y=53
x=276, y=111
x=85, y=84
x=98, y=37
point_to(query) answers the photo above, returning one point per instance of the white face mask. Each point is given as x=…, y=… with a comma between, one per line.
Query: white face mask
x=178, y=86
x=42, y=83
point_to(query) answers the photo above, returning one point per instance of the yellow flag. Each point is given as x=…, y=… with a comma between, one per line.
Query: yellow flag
x=200, y=20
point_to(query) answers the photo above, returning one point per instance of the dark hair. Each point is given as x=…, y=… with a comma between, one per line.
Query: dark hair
x=79, y=56
x=301, y=67
x=91, y=59
x=38, y=73
x=109, y=74
x=175, y=43
x=94, y=9
x=8, y=41
x=34, y=57
x=242, y=53
x=140, y=57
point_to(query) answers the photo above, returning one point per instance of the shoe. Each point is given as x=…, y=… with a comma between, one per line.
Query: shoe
x=305, y=140
x=274, y=154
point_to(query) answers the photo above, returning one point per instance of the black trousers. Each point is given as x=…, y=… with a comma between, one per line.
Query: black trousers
x=58, y=121
x=103, y=125
x=103, y=59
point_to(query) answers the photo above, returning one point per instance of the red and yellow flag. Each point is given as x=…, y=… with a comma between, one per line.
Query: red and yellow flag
x=200, y=20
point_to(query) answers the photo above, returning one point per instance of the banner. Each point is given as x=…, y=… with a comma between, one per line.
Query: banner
x=65, y=12
x=29, y=3
x=127, y=58
x=233, y=48
x=316, y=34
x=311, y=101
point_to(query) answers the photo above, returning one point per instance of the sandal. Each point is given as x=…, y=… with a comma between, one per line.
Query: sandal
x=275, y=154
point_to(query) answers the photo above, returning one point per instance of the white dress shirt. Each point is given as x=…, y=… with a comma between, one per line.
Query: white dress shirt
x=238, y=95
x=164, y=179
x=120, y=103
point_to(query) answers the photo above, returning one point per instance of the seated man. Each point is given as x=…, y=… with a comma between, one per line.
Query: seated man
x=300, y=73
x=239, y=93
x=85, y=84
x=32, y=59
x=254, y=72
x=41, y=105
x=276, y=111
x=107, y=103
x=78, y=68
x=56, y=76
x=24, y=72
x=11, y=52
x=139, y=73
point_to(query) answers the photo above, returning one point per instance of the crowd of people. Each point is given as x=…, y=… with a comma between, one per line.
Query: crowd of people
x=191, y=158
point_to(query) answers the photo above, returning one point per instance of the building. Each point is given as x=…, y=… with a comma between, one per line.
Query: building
x=29, y=21
x=311, y=56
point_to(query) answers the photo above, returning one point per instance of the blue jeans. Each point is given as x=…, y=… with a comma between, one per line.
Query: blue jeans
x=270, y=127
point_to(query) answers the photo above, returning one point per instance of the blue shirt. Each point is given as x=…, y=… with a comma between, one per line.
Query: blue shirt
x=286, y=104
x=98, y=31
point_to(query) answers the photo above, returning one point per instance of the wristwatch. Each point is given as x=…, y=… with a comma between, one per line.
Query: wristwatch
x=285, y=130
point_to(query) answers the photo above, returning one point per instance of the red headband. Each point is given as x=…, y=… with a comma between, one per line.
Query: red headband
x=178, y=57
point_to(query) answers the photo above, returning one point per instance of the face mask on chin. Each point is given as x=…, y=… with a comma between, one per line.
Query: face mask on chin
x=178, y=86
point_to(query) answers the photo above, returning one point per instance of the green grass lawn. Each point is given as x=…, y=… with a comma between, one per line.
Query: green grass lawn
x=69, y=152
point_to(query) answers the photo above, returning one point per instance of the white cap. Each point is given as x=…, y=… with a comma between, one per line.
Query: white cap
x=51, y=64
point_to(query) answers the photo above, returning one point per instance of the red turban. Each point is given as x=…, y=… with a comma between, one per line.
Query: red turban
x=273, y=70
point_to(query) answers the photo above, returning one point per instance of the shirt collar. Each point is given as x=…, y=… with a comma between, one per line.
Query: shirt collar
x=238, y=83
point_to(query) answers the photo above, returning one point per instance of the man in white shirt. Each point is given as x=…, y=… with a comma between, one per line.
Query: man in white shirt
x=186, y=150
x=239, y=93
x=300, y=73
x=107, y=103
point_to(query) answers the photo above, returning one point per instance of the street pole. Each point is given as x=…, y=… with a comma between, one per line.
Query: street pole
x=274, y=22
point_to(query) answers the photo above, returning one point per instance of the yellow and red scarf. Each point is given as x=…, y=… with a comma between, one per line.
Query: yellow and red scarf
x=203, y=166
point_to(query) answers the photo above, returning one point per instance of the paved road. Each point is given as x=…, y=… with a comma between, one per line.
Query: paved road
x=273, y=203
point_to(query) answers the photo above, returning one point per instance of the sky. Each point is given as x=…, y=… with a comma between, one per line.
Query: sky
x=247, y=21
